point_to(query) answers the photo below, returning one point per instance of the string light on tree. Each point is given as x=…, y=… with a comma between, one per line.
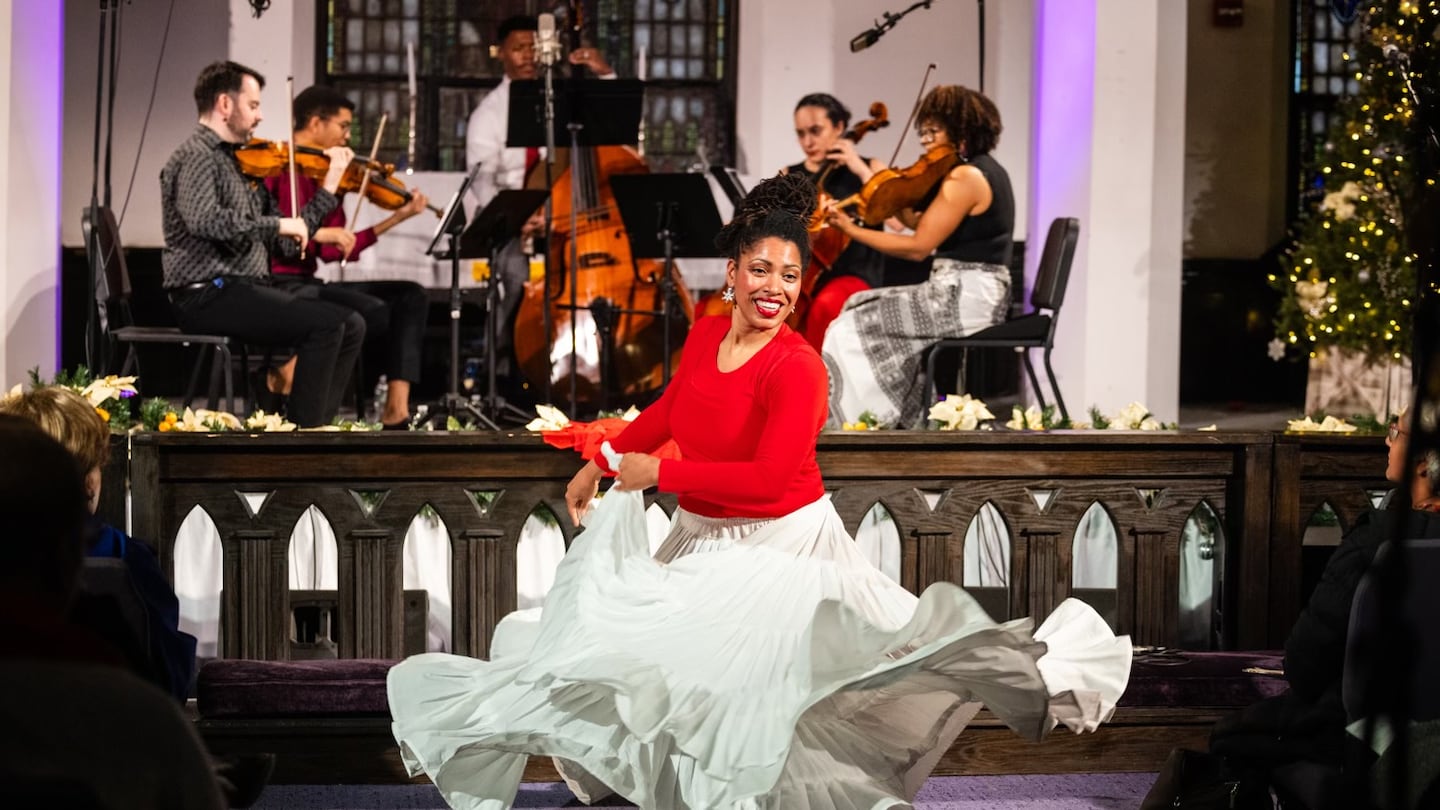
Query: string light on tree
x=1348, y=276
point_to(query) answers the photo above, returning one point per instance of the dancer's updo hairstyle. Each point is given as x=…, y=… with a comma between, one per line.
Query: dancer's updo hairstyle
x=779, y=207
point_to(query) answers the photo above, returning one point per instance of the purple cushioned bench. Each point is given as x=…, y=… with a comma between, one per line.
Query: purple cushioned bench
x=1208, y=679
x=315, y=688
x=330, y=723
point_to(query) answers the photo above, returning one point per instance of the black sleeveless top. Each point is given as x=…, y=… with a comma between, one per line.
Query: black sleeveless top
x=987, y=237
x=858, y=260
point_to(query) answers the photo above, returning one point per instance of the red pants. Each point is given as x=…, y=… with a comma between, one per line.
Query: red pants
x=826, y=305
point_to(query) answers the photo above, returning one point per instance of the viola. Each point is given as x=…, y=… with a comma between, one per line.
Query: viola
x=879, y=119
x=259, y=158
x=891, y=191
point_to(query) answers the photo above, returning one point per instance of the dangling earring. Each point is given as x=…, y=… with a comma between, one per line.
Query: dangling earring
x=728, y=296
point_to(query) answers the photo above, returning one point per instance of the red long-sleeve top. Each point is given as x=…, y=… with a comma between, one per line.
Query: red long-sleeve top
x=314, y=253
x=746, y=437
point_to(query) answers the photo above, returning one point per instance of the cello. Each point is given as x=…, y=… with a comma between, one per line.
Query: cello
x=605, y=339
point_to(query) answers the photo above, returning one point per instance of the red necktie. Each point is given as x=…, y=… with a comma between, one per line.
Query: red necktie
x=532, y=156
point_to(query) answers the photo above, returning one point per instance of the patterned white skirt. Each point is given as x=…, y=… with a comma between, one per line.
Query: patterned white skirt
x=753, y=664
x=872, y=350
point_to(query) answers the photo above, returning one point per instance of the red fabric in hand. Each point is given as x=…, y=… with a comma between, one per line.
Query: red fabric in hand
x=586, y=437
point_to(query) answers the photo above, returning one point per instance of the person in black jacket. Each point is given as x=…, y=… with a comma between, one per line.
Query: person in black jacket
x=1308, y=721
x=162, y=653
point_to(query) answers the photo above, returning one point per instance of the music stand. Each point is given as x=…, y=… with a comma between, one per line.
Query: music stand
x=729, y=181
x=493, y=228
x=583, y=112
x=667, y=216
x=452, y=225
x=606, y=112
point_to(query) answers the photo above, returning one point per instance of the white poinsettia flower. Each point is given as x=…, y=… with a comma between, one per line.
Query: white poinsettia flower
x=206, y=421
x=1328, y=425
x=14, y=392
x=629, y=415
x=1208, y=427
x=1130, y=417
x=1151, y=423
x=1017, y=419
x=550, y=418
x=108, y=387
x=1341, y=202
x=1032, y=418
x=269, y=422
x=962, y=412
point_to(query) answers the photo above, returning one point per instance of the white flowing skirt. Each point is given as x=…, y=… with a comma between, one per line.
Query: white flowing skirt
x=749, y=664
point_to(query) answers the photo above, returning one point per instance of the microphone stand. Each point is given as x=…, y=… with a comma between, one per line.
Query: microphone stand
x=872, y=36
x=91, y=215
x=548, y=65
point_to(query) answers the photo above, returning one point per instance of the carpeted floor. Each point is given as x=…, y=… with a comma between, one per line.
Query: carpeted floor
x=1122, y=791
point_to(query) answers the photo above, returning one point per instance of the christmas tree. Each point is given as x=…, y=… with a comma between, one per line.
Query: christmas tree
x=1349, y=279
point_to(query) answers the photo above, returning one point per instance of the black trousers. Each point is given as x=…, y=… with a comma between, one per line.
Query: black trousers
x=326, y=337
x=394, y=311
x=513, y=272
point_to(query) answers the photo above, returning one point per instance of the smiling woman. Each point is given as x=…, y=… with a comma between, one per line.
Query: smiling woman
x=758, y=658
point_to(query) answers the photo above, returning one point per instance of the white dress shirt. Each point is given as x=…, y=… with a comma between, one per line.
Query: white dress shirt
x=501, y=167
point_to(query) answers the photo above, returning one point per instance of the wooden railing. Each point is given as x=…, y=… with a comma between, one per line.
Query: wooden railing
x=484, y=486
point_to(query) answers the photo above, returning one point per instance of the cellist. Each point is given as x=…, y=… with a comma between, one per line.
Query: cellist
x=820, y=124
x=505, y=167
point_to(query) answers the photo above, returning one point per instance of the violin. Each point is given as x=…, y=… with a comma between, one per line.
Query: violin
x=891, y=191
x=879, y=119
x=826, y=244
x=259, y=158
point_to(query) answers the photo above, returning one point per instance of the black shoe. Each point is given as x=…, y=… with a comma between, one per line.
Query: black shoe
x=243, y=777
x=265, y=399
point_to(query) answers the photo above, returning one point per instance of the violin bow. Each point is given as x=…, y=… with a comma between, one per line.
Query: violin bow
x=410, y=147
x=290, y=156
x=909, y=122
x=365, y=182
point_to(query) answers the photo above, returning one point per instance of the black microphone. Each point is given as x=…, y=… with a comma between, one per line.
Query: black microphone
x=865, y=39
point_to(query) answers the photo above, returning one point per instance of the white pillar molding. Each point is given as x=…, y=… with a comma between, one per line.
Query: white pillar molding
x=1009, y=65
x=1108, y=148
x=786, y=49
x=30, y=139
x=280, y=43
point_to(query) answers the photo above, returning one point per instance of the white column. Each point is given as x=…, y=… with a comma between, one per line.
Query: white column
x=1009, y=65
x=30, y=99
x=1108, y=148
x=787, y=49
x=280, y=43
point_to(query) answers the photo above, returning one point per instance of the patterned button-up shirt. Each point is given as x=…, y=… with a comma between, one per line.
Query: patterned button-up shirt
x=217, y=221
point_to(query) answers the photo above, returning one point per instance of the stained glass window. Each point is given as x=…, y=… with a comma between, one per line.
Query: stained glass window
x=688, y=48
x=1325, y=32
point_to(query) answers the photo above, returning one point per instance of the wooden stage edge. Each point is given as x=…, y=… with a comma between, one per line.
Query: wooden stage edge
x=348, y=751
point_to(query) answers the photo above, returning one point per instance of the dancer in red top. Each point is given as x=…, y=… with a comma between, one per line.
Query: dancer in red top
x=745, y=406
x=757, y=659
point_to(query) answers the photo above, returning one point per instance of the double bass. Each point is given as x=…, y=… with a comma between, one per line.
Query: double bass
x=596, y=292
